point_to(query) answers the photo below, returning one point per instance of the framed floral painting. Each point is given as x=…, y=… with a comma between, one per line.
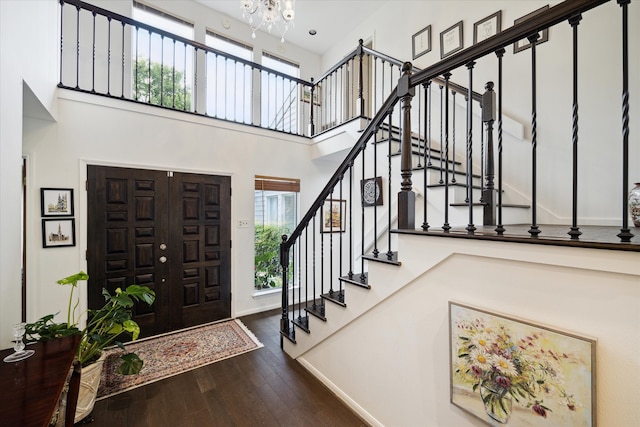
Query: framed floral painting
x=505, y=370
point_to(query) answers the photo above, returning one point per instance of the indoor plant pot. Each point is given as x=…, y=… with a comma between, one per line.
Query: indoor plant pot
x=103, y=328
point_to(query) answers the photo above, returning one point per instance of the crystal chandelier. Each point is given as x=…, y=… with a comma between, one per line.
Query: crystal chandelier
x=269, y=14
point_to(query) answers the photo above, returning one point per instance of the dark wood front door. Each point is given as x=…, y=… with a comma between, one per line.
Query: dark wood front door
x=169, y=231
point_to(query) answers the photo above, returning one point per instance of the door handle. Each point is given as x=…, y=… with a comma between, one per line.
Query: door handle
x=163, y=246
x=163, y=259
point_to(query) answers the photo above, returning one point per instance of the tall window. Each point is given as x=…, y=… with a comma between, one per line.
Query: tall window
x=229, y=82
x=279, y=97
x=276, y=213
x=163, y=68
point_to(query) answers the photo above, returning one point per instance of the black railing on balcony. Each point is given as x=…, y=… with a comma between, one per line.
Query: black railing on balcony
x=396, y=119
x=108, y=54
x=112, y=55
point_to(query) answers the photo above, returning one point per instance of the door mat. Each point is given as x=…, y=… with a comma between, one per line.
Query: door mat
x=177, y=352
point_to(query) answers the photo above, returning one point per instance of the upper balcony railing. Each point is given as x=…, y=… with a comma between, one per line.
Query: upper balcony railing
x=104, y=53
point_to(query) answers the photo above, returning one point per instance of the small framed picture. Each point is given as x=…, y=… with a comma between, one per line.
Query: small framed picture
x=333, y=213
x=421, y=42
x=487, y=27
x=371, y=191
x=524, y=44
x=56, y=201
x=58, y=232
x=451, y=40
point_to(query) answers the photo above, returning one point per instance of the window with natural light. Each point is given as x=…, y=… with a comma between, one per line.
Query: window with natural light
x=279, y=97
x=163, y=69
x=229, y=82
x=276, y=213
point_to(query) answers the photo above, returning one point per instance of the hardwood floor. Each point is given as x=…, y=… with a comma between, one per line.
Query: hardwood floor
x=263, y=387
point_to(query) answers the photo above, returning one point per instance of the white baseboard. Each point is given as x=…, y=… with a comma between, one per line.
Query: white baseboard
x=353, y=405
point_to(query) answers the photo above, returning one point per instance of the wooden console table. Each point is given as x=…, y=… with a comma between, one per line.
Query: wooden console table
x=30, y=389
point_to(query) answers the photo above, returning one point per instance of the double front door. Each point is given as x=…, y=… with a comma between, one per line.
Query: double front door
x=169, y=231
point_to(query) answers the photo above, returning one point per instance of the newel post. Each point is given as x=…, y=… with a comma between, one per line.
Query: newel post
x=406, y=197
x=312, y=126
x=360, y=78
x=285, y=328
x=489, y=193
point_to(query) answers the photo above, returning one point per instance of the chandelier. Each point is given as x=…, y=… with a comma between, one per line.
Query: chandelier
x=269, y=14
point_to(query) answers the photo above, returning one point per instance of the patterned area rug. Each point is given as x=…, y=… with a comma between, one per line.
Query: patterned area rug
x=175, y=353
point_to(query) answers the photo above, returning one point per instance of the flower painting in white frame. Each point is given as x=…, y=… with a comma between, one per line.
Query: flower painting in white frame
x=508, y=371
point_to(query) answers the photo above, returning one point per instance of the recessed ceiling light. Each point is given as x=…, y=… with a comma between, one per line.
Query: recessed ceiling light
x=313, y=32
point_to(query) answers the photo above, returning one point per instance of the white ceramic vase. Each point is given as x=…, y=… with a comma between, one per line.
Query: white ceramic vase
x=89, y=383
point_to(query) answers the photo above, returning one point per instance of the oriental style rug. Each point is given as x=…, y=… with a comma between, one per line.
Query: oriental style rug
x=177, y=352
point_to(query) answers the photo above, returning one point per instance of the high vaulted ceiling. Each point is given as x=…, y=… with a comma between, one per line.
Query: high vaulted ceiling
x=332, y=19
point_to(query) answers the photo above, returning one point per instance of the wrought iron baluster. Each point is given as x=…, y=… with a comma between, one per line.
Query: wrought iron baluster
x=500, y=228
x=108, y=57
x=350, y=221
x=313, y=259
x=162, y=70
x=446, y=226
x=427, y=151
x=471, y=228
x=625, y=234
x=149, y=71
x=123, y=61
x=534, y=230
x=389, y=178
x=322, y=217
x=342, y=215
x=62, y=40
x=93, y=56
x=441, y=134
x=363, y=154
x=173, y=77
x=331, y=242
x=453, y=136
x=375, y=207
x=575, y=230
x=136, y=96
x=78, y=47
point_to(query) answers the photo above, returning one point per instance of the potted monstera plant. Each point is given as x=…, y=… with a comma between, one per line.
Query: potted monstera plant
x=104, y=327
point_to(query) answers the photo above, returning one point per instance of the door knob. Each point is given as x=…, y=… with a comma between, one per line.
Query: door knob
x=163, y=259
x=163, y=246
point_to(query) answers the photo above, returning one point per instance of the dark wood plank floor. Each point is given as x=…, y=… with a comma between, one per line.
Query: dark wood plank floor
x=263, y=387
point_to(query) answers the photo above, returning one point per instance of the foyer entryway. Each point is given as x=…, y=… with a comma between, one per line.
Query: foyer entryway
x=167, y=230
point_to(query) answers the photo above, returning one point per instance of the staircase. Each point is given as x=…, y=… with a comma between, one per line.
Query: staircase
x=362, y=300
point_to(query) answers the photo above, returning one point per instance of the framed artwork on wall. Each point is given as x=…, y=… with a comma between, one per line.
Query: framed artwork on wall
x=524, y=44
x=56, y=201
x=487, y=27
x=333, y=213
x=421, y=42
x=508, y=370
x=371, y=190
x=58, y=232
x=451, y=40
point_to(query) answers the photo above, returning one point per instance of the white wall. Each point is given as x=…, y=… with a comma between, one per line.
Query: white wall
x=27, y=57
x=391, y=27
x=92, y=130
x=85, y=133
x=391, y=364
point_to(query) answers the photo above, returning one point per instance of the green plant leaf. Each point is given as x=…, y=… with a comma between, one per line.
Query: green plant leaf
x=133, y=328
x=73, y=279
x=131, y=364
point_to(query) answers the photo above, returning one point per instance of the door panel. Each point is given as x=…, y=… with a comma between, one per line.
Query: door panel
x=127, y=223
x=200, y=216
x=171, y=233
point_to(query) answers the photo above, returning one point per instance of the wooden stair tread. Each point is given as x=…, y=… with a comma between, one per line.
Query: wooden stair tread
x=384, y=257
